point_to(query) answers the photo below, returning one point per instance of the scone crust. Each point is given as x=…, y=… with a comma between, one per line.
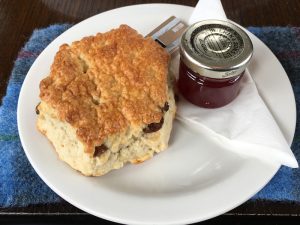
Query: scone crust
x=104, y=84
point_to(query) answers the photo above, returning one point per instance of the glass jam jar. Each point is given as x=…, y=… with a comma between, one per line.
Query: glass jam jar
x=213, y=57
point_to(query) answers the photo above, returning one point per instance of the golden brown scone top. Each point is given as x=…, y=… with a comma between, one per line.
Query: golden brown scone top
x=103, y=84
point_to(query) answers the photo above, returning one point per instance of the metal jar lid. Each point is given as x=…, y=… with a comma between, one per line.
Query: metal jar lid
x=216, y=49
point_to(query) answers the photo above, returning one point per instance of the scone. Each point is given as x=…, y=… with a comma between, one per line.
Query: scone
x=107, y=101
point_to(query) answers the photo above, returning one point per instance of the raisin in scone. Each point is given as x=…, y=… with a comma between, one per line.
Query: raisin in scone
x=107, y=101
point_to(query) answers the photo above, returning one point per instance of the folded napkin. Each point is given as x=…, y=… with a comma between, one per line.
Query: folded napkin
x=244, y=126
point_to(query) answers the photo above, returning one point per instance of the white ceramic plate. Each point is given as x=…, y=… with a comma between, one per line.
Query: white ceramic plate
x=193, y=180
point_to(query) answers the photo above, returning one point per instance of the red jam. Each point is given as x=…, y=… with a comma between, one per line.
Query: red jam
x=207, y=92
x=213, y=57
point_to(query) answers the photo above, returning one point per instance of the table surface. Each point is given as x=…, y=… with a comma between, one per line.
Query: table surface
x=18, y=20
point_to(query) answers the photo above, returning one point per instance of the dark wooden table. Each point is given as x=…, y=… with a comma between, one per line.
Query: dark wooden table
x=18, y=18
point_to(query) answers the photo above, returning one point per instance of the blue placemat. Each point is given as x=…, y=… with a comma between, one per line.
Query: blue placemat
x=21, y=186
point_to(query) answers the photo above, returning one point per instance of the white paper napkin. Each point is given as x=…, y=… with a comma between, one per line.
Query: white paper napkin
x=245, y=126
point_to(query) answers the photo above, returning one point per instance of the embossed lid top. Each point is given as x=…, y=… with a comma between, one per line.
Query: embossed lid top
x=216, y=49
